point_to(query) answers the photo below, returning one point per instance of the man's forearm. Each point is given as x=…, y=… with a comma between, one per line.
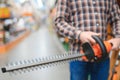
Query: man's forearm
x=66, y=30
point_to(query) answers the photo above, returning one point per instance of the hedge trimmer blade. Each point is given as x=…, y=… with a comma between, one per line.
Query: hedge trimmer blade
x=96, y=52
x=40, y=62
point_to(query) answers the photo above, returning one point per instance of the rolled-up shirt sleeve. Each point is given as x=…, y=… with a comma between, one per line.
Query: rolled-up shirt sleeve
x=62, y=21
x=115, y=18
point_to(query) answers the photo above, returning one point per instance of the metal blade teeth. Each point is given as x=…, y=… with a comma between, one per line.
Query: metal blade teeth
x=39, y=60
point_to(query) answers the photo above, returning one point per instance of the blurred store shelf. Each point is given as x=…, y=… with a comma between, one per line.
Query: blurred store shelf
x=39, y=44
x=12, y=43
x=17, y=46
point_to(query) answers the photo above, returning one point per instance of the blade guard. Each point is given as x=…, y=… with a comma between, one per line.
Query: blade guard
x=97, y=52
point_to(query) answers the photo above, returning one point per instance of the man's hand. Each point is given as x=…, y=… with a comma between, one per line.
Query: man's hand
x=115, y=42
x=87, y=37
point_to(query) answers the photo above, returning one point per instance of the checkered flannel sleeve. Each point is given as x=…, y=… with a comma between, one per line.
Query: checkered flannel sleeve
x=62, y=21
x=115, y=18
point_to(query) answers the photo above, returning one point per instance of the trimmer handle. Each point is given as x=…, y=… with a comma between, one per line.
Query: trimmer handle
x=104, y=48
x=97, y=52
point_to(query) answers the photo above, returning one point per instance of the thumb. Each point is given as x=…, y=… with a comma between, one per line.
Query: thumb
x=97, y=34
x=114, y=47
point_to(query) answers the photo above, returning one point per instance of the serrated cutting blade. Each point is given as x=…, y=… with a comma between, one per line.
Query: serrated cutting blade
x=45, y=61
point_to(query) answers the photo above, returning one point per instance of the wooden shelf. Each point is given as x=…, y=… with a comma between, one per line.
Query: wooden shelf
x=7, y=47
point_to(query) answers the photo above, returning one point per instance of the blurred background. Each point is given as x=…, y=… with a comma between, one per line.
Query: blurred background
x=28, y=36
x=17, y=16
x=27, y=33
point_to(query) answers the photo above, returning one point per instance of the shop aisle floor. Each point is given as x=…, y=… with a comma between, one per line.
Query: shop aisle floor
x=39, y=44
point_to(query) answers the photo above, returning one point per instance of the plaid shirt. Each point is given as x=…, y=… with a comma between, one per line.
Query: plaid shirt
x=86, y=15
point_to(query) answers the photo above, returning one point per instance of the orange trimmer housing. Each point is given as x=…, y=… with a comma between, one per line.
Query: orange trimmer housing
x=96, y=52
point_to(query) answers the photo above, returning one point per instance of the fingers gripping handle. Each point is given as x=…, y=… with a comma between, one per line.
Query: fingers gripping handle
x=96, y=52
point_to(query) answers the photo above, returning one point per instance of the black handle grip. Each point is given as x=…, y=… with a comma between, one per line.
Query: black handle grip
x=102, y=46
